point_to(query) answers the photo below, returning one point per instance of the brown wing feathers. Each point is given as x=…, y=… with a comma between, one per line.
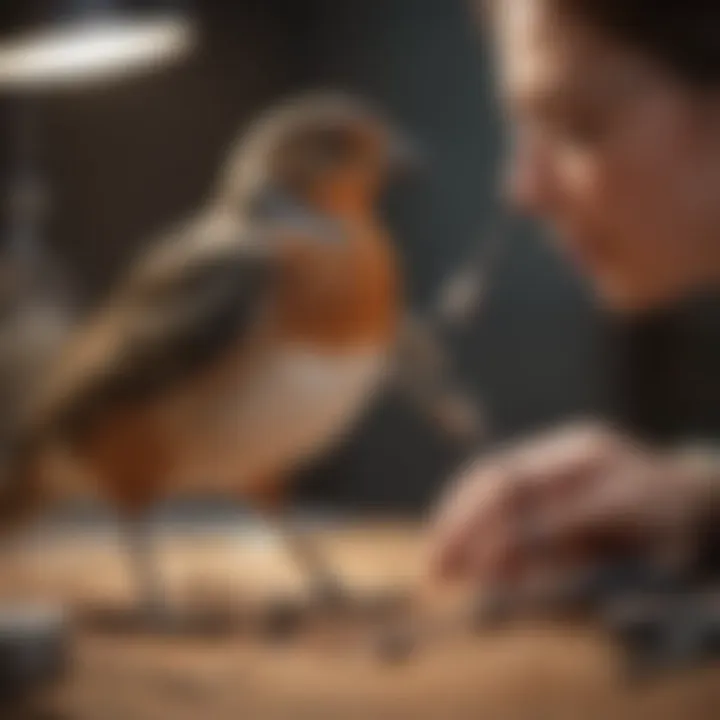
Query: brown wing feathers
x=171, y=330
x=160, y=331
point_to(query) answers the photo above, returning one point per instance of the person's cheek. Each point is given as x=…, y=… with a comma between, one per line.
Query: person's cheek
x=579, y=215
x=615, y=202
x=645, y=195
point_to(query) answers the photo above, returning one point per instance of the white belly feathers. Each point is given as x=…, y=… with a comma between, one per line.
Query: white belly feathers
x=292, y=407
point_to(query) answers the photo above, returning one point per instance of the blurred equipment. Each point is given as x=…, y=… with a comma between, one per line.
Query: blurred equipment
x=34, y=651
x=668, y=633
x=663, y=618
x=75, y=45
x=57, y=47
x=243, y=344
x=425, y=372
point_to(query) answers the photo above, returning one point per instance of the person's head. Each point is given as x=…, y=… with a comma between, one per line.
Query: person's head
x=615, y=110
x=329, y=151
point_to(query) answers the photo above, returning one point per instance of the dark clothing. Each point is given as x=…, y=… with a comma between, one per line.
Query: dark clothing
x=665, y=384
x=665, y=376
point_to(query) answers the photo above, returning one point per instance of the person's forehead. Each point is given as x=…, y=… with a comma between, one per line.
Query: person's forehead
x=542, y=52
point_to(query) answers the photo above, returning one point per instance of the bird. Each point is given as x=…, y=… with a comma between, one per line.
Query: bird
x=241, y=344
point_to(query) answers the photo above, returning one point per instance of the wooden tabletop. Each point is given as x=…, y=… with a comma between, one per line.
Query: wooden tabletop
x=525, y=673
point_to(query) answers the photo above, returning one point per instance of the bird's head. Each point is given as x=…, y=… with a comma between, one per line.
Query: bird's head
x=327, y=153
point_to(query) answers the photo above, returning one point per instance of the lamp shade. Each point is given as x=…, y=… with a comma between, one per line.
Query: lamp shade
x=67, y=44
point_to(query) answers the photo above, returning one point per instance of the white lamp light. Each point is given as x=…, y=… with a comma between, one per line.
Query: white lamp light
x=97, y=49
x=54, y=44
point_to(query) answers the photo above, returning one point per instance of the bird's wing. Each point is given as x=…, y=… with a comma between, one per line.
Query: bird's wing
x=176, y=313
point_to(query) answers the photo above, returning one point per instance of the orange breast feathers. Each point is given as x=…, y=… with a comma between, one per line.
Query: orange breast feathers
x=340, y=294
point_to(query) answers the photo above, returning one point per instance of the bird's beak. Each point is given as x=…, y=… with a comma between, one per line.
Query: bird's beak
x=405, y=158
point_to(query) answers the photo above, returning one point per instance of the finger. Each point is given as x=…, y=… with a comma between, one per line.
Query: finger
x=488, y=523
x=490, y=545
x=497, y=560
x=463, y=522
x=471, y=519
x=568, y=461
x=538, y=530
x=485, y=528
x=596, y=523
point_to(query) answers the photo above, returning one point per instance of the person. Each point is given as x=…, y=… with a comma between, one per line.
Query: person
x=614, y=107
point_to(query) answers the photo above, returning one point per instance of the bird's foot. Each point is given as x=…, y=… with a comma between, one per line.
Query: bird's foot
x=330, y=597
x=282, y=618
x=331, y=608
x=155, y=618
x=336, y=600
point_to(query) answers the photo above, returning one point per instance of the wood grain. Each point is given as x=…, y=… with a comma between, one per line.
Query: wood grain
x=526, y=673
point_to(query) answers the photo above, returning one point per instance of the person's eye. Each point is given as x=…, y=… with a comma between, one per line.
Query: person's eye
x=578, y=130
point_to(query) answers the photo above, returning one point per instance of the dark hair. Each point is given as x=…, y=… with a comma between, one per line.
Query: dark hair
x=683, y=35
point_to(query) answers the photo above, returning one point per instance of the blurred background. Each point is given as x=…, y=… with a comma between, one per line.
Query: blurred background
x=124, y=158
x=112, y=137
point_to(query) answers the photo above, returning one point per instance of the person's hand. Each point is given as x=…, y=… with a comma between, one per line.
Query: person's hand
x=572, y=497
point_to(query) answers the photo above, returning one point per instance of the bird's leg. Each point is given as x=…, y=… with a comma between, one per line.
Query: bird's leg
x=331, y=596
x=152, y=599
x=328, y=590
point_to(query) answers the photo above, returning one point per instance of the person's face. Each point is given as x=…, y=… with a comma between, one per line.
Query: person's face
x=619, y=159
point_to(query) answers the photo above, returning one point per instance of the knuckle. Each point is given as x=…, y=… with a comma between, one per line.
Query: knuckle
x=508, y=495
x=597, y=440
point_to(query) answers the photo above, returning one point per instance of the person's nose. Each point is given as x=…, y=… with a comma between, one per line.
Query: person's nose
x=529, y=183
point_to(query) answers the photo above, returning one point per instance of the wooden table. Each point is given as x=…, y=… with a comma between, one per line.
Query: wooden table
x=528, y=673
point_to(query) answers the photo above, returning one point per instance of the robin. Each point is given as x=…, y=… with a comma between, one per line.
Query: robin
x=242, y=344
